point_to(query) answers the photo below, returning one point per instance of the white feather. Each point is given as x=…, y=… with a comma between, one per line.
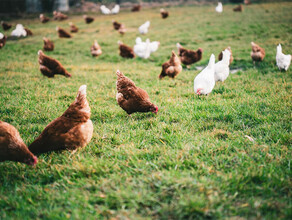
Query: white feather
x=222, y=67
x=283, y=61
x=143, y=29
x=205, y=80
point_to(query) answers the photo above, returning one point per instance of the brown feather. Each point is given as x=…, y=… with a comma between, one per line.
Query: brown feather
x=238, y=8
x=70, y=131
x=44, y=19
x=126, y=51
x=172, y=67
x=220, y=56
x=132, y=98
x=257, y=53
x=12, y=146
x=95, y=49
x=62, y=33
x=48, y=45
x=5, y=25
x=88, y=19
x=73, y=28
x=3, y=41
x=50, y=67
x=189, y=57
x=136, y=8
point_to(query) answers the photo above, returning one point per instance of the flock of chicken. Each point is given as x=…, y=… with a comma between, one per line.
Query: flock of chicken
x=74, y=129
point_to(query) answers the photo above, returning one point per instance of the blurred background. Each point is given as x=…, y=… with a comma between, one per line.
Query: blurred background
x=35, y=6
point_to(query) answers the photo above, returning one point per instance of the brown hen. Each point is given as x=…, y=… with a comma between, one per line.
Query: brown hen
x=73, y=28
x=59, y=16
x=5, y=25
x=220, y=56
x=132, y=98
x=28, y=32
x=164, y=14
x=136, y=8
x=189, y=57
x=70, y=131
x=50, y=67
x=48, y=45
x=95, y=49
x=12, y=146
x=62, y=33
x=172, y=67
x=238, y=8
x=3, y=41
x=44, y=19
x=257, y=53
x=126, y=51
x=88, y=19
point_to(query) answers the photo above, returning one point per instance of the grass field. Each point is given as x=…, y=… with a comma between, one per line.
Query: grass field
x=191, y=160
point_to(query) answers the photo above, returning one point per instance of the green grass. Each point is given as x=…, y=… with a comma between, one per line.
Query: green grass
x=191, y=160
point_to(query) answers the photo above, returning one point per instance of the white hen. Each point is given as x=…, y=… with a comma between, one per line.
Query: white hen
x=19, y=31
x=219, y=7
x=143, y=29
x=154, y=46
x=222, y=67
x=105, y=10
x=205, y=80
x=116, y=9
x=142, y=49
x=283, y=61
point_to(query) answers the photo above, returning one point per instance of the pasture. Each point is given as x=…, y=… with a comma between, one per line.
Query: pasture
x=190, y=161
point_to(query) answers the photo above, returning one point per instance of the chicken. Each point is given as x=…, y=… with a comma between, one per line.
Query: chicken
x=122, y=30
x=5, y=26
x=73, y=28
x=144, y=49
x=247, y=2
x=70, y=131
x=126, y=51
x=19, y=31
x=48, y=45
x=44, y=19
x=189, y=57
x=2, y=40
x=28, y=32
x=119, y=27
x=12, y=146
x=105, y=10
x=50, y=67
x=239, y=8
x=116, y=25
x=143, y=29
x=205, y=80
x=62, y=33
x=136, y=8
x=222, y=67
x=221, y=55
x=257, y=53
x=59, y=16
x=88, y=19
x=283, y=61
x=172, y=67
x=132, y=98
x=164, y=14
x=219, y=7
x=116, y=9
x=95, y=49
